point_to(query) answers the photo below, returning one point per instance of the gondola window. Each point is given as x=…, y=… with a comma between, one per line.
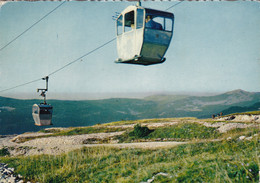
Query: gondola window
x=129, y=21
x=139, y=18
x=120, y=25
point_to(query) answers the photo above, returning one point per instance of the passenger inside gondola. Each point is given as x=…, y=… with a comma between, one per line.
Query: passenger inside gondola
x=152, y=24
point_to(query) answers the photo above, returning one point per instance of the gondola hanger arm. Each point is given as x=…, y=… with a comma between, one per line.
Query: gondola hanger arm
x=43, y=90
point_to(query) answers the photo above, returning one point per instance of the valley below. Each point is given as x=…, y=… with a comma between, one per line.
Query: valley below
x=16, y=115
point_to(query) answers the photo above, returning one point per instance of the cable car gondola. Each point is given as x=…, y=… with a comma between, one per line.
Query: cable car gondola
x=42, y=113
x=143, y=35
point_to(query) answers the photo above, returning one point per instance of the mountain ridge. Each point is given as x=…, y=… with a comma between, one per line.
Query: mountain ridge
x=15, y=114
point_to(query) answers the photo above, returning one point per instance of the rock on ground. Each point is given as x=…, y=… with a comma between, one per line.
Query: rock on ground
x=7, y=175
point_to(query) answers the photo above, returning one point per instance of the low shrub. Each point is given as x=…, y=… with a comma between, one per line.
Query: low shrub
x=4, y=152
x=140, y=132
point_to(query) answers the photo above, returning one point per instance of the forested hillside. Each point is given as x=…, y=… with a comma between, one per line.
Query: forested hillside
x=16, y=117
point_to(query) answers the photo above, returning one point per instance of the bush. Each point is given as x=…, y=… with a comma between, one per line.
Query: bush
x=4, y=152
x=140, y=132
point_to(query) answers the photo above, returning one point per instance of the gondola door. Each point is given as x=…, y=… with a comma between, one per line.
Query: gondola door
x=130, y=28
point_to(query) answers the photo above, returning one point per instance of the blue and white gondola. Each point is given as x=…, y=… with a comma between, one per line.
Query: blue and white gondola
x=140, y=43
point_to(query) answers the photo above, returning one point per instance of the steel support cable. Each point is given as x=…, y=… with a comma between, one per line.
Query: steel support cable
x=81, y=57
x=174, y=5
x=74, y=60
x=32, y=26
x=21, y=85
x=61, y=67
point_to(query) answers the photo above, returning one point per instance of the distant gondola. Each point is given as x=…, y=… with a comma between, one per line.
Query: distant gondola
x=42, y=113
x=143, y=35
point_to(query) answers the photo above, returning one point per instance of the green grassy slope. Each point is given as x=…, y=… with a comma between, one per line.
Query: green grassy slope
x=208, y=161
x=204, y=162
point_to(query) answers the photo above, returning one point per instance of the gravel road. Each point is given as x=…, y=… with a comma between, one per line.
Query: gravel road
x=63, y=144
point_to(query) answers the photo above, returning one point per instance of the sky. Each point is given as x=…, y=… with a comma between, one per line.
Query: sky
x=215, y=48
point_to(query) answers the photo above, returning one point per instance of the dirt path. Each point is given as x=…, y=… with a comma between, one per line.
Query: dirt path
x=63, y=144
x=144, y=145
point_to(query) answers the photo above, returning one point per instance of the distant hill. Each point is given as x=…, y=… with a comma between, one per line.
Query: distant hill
x=15, y=115
x=235, y=109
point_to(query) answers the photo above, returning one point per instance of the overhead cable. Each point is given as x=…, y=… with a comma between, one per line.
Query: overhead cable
x=61, y=67
x=31, y=26
x=174, y=5
x=21, y=85
x=81, y=57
